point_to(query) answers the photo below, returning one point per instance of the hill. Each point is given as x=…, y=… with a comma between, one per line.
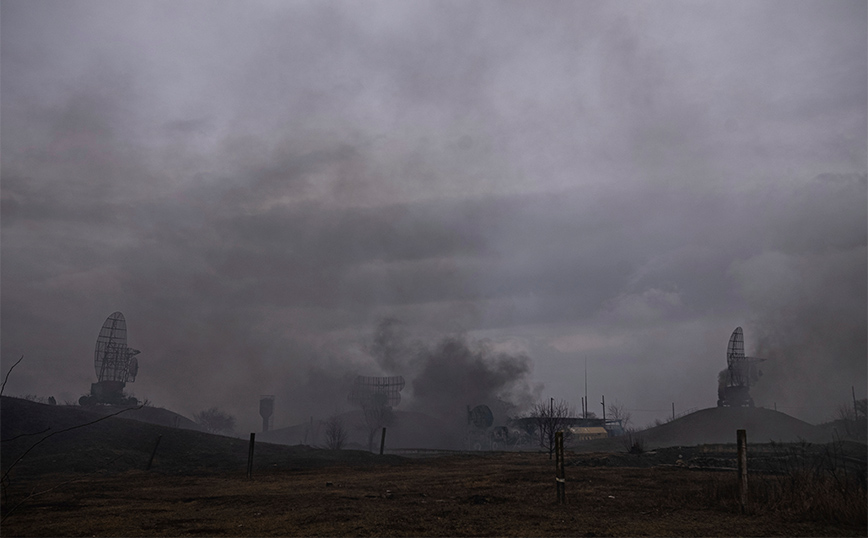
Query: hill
x=152, y=415
x=717, y=425
x=62, y=439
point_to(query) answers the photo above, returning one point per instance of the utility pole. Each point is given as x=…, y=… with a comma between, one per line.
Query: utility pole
x=604, y=409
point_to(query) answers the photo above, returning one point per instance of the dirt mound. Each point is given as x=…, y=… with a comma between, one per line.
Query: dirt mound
x=719, y=424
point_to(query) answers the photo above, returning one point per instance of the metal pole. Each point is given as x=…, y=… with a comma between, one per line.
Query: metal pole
x=154, y=452
x=741, y=437
x=604, y=409
x=383, y=440
x=250, y=455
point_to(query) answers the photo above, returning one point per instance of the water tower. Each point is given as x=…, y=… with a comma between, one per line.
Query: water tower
x=266, y=410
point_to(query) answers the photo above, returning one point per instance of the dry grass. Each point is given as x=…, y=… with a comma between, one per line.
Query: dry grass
x=480, y=495
x=90, y=481
x=802, y=483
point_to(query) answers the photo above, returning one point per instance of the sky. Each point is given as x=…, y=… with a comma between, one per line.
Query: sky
x=487, y=198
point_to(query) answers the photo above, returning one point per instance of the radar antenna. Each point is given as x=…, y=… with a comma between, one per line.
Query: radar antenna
x=115, y=364
x=734, y=390
x=376, y=391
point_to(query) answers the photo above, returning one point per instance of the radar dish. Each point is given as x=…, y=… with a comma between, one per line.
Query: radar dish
x=481, y=417
x=112, y=359
x=115, y=364
x=735, y=357
x=735, y=381
x=376, y=391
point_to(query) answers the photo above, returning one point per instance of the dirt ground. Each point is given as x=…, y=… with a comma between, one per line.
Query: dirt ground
x=494, y=494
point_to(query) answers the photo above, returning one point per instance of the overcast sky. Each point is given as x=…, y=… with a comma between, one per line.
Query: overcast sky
x=257, y=185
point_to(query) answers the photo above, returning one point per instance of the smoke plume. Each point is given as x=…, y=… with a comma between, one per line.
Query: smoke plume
x=450, y=373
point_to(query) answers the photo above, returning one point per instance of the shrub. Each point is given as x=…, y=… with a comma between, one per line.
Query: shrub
x=802, y=482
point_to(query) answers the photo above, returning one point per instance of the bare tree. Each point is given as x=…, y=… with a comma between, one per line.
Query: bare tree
x=861, y=408
x=336, y=434
x=5, y=379
x=215, y=421
x=551, y=417
x=846, y=413
x=5, y=480
x=618, y=412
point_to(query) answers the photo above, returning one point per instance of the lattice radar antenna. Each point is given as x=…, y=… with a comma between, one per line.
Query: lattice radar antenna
x=370, y=392
x=115, y=364
x=740, y=371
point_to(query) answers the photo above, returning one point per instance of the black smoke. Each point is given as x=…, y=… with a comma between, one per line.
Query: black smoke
x=451, y=372
x=809, y=300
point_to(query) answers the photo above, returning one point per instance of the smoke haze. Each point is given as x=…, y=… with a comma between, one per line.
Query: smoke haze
x=526, y=187
x=453, y=373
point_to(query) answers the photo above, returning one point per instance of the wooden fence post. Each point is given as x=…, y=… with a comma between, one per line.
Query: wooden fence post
x=154, y=452
x=560, y=477
x=383, y=441
x=741, y=437
x=250, y=456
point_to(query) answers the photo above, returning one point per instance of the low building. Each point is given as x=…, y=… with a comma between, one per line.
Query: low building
x=584, y=433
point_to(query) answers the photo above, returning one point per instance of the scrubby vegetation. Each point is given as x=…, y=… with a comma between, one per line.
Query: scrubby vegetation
x=804, y=482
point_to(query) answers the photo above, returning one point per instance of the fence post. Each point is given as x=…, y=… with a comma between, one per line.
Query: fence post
x=560, y=478
x=741, y=436
x=154, y=452
x=383, y=441
x=250, y=456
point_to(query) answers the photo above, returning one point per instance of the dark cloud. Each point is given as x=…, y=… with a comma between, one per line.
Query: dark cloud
x=256, y=188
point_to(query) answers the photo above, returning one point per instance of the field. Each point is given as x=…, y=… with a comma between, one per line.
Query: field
x=92, y=481
x=460, y=495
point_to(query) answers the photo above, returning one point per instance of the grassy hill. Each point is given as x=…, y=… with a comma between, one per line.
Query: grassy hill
x=60, y=439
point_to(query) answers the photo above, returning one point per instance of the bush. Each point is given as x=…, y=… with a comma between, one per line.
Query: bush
x=633, y=442
x=336, y=434
x=215, y=421
x=805, y=483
